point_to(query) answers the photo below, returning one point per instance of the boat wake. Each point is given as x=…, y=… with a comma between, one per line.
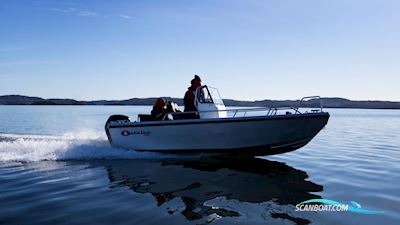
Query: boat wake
x=82, y=145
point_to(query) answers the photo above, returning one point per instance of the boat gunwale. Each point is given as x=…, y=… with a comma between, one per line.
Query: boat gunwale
x=218, y=120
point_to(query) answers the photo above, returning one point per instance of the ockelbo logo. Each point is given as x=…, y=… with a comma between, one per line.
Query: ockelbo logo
x=315, y=205
x=140, y=132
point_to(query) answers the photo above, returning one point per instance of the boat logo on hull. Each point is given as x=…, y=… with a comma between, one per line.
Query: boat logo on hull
x=140, y=132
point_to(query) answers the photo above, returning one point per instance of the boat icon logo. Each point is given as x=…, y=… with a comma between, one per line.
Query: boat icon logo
x=125, y=133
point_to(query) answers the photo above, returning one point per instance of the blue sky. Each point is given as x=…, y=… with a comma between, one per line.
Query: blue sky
x=250, y=49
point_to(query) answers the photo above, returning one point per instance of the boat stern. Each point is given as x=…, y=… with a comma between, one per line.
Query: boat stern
x=114, y=119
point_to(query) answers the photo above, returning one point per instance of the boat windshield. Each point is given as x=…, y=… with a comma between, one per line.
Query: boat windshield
x=207, y=94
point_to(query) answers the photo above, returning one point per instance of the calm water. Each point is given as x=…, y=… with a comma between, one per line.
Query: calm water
x=56, y=167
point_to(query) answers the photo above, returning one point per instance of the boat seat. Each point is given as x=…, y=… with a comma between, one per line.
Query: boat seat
x=186, y=116
x=146, y=117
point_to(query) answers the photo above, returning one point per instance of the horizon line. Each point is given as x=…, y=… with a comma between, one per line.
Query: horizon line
x=369, y=100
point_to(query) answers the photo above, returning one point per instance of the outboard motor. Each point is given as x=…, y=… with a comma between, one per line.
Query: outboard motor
x=115, y=118
x=118, y=118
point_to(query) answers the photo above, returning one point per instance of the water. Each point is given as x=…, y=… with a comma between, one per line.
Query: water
x=56, y=167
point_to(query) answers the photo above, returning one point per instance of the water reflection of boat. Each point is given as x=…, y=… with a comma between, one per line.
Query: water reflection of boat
x=198, y=181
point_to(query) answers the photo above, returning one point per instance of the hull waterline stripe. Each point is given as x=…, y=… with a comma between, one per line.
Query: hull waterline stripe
x=252, y=150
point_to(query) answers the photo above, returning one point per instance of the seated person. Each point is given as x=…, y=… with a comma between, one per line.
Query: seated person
x=159, y=109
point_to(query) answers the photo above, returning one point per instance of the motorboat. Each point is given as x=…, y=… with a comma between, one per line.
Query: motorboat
x=217, y=129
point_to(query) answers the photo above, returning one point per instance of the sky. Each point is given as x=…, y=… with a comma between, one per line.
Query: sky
x=248, y=49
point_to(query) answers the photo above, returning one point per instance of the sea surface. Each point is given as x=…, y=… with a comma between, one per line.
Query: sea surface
x=56, y=167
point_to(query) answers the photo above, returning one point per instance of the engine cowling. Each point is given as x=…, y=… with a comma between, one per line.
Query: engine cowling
x=115, y=118
x=118, y=118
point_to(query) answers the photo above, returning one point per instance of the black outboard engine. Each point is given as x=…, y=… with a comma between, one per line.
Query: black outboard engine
x=118, y=118
x=115, y=118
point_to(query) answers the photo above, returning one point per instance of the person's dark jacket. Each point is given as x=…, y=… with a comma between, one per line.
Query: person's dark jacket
x=188, y=101
x=157, y=113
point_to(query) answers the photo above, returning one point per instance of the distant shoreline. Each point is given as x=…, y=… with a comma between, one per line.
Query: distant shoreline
x=327, y=102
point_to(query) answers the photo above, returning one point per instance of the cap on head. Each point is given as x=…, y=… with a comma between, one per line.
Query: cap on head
x=196, y=77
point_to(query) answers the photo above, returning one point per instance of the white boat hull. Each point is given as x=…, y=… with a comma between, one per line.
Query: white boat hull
x=261, y=135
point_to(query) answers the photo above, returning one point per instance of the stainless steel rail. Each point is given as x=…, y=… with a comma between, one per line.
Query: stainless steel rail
x=269, y=111
x=308, y=98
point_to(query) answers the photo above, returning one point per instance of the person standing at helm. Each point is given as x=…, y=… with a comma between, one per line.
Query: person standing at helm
x=189, y=98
